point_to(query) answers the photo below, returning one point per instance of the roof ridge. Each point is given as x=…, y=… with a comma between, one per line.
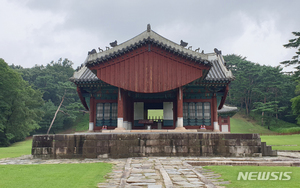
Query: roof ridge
x=144, y=38
x=218, y=71
x=227, y=72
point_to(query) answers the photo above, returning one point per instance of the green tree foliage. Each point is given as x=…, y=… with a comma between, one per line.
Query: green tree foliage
x=256, y=84
x=20, y=106
x=242, y=90
x=295, y=43
x=296, y=102
x=53, y=80
x=49, y=109
x=267, y=110
x=296, y=107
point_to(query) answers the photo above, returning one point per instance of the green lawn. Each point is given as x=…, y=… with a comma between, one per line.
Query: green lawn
x=282, y=140
x=16, y=150
x=239, y=124
x=230, y=173
x=53, y=175
x=82, y=123
x=155, y=113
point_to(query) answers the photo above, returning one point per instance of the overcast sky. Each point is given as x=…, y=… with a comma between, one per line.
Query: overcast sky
x=40, y=31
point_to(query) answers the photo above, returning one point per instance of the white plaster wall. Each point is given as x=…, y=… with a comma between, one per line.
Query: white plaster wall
x=129, y=126
x=138, y=110
x=168, y=110
x=125, y=125
x=225, y=128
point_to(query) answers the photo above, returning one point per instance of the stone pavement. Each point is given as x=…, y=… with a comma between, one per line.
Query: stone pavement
x=156, y=172
x=165, y=172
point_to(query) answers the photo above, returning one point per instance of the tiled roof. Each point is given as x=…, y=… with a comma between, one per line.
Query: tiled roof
x=147, y=37
x=218, y=71
x=227, y=109
x=84, y=75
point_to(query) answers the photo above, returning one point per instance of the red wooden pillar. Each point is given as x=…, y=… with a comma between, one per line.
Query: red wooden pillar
x=180, y=109
x=228, y=121
x=174, y=113
x=129, y=112
x=125, y=110
x=120, y=110
x=220, y=122
x=215, y=113
x=92, y=113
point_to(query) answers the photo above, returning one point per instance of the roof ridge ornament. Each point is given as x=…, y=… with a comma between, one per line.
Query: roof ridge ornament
x=148, y=28
x=182, y=43
x=218, y=52
x=100, y=50
x=114, y=44
x=93, y=51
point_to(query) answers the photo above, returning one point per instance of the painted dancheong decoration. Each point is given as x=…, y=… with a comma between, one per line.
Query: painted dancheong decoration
x=120, y=84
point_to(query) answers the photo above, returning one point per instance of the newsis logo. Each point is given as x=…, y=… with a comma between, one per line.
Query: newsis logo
x=284, y=176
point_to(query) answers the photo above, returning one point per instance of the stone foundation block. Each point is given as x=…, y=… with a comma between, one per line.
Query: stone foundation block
x=118, y=145
x=152, y=142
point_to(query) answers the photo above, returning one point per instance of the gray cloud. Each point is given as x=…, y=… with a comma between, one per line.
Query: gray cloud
x=41, y=30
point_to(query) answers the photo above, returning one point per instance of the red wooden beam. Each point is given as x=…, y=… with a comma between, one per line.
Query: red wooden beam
x=224, y=97
x=149, y=71
x=82, y=99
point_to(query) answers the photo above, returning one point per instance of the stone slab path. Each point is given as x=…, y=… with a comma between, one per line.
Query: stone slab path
x=156, y=172
x=165, y=172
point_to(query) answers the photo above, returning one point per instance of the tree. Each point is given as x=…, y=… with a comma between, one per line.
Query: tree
x=53, y=81
x=294, y=43
x=267, y=110
x=20, y=106
x=243, y=88
x=259, y=84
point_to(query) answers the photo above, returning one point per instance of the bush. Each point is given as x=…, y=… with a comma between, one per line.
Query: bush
x=288, y=130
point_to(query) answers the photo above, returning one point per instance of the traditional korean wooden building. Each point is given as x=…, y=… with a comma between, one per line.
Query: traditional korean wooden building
x=120, y=84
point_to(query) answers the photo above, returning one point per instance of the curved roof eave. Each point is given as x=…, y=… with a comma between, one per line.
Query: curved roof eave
x=141, y=39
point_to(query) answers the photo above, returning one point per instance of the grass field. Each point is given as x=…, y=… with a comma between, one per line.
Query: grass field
x=155, y=113
x=230, y=173
x=282, y=140
x=238, y=124
x=53, y=175
x=16, y=150
x=48, y=175
x=82, y=123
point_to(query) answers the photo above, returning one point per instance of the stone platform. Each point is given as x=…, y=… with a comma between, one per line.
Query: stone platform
x=123, y=145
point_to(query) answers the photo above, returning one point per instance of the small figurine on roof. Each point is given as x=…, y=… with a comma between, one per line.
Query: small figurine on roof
x=104, y=127
x=202, y=127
